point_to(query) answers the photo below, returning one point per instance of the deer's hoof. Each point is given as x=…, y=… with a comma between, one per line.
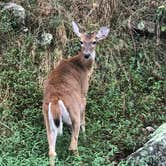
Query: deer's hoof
x=52, y=157
x=74, y=151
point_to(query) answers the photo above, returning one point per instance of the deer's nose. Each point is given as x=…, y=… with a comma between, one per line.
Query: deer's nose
x=86, y=56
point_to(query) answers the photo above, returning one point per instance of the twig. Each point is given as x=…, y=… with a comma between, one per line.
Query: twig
x=6, y=126
x=131, y=33
x=158, y=34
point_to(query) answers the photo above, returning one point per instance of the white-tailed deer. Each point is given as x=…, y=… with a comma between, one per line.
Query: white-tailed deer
x=66, y=88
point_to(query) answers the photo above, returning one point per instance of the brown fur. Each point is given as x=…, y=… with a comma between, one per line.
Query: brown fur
x=70, y=78
x=66, y=88
x=68, y=82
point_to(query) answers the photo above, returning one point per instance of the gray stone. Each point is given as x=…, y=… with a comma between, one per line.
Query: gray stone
x=153, y=153
x=45, y=39
x=150, y=129
x=142, y=26
x=17, y=11
x=146, y=26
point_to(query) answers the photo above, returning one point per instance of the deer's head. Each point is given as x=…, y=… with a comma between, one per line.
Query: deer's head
x=88, y=41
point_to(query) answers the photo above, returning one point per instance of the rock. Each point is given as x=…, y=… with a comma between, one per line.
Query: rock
x=153, y=153
x=150, y=129
x=147, y=26
x=17, y=12
x=44, y=39
x=142, y=26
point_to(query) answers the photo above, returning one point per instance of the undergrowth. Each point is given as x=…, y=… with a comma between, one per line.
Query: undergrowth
x=126, y=94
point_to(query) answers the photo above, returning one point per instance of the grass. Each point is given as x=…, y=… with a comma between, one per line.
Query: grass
x=127, y=91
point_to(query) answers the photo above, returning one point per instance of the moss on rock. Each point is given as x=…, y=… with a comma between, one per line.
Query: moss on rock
x=153, y=152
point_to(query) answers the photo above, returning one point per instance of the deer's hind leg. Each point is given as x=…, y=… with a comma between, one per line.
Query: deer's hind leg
x=75, y=117
x=51, y=136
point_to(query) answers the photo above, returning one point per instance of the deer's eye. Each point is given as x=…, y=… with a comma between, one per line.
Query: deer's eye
x=94, y=42
x=81, y=42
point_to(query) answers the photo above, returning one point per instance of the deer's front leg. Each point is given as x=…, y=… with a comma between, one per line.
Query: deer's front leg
x=83, y=122
x=83, y=116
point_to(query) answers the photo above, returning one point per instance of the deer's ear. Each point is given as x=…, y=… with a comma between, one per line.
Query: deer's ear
x=102, y=33
x=76, y=29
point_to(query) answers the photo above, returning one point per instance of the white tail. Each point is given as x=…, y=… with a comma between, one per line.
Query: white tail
x=56, y=130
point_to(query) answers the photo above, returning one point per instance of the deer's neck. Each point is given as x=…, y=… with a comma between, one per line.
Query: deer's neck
x=87, y=63
x=81, y=64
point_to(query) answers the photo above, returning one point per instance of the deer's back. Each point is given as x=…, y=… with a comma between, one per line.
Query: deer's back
x=68, y=82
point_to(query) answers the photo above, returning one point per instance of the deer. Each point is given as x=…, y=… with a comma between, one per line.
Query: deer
x=65, y=91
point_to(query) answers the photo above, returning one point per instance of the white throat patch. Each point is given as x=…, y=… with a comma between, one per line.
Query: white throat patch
x=93, y=55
